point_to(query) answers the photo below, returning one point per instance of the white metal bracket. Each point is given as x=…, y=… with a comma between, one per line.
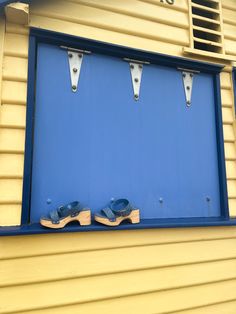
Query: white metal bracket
x=188, y=84
x=75, y=62
x=136, y=70
x=136, y=75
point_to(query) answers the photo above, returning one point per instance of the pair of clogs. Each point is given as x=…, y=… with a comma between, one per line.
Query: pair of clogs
x=113, y=215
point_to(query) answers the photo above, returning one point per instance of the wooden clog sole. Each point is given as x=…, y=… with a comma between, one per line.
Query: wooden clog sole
x=84, y=218
x=134, y=218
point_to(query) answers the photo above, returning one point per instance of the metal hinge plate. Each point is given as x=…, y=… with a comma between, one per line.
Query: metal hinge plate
x=187, y=76
x=75, y=62
x=136, y=70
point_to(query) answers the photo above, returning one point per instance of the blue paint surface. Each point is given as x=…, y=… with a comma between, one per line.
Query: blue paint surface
x=99, y=143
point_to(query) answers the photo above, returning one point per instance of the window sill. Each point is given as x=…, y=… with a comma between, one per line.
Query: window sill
x=144, y=224
x=209, y=54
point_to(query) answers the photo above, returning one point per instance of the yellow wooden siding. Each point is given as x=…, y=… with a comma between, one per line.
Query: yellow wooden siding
x=139, y=24
x=185, y=271
x=229, y=20
x=228, y=114
x=12, y=122
x=145, y=271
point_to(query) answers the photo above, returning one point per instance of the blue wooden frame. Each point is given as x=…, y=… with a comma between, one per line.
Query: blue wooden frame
x=44, y=36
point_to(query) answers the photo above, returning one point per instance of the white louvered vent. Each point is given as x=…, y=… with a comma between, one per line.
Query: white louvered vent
x=206, y=20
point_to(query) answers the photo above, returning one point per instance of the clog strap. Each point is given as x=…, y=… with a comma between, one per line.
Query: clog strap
x=109, y=214
x=71, y=209
x=121, y=207
x=54, y=216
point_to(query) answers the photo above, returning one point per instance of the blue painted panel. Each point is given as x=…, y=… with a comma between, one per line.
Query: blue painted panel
x=99, y=143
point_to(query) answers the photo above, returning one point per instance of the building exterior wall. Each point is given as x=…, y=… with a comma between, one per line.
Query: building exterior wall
x=189, y=271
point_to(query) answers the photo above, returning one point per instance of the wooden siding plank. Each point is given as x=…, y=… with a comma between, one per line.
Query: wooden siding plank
x=17, y=29
x=100, y=262
x=155, y=302
x=229, y=133
x=10, y=215
x=227, y=97
x=231, y=188
x=228, y=115
x=222, y=308
x=11, y=191
x=229, y=16
x=229, y=4
x=11, y=165
x=230, y=47
x=16, y=45
x=225, y=79
x=11, y=139
x=229, y=31
x=231, y=169
x=12, y=116
x=15, y=69
x=232, y=207
x=14, y=92
x=230, y=151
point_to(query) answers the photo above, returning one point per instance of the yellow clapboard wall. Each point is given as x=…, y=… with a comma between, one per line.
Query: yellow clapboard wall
x=14, y=56
x=145, y=271
x=229, y=20
x=185, y=271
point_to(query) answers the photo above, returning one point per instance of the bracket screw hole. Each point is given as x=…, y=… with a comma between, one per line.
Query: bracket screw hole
x=188, y=87
x=136, y=80
x=140, y=66
x=80, y=55
x=73, y=87
x=70, y=55
x=75, y=70
x=136, y=96
x=132, y=66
